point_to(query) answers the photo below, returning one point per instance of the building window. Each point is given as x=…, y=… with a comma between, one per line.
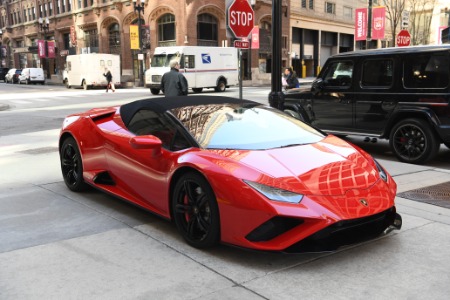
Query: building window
x=114, y=39
x=166, y=30
x=69, y=5
x=50, y=9
x=207, y=30
x=91, y=39
x=348, y=13
x=25, y=15
x=330, y=8
x=311, y=4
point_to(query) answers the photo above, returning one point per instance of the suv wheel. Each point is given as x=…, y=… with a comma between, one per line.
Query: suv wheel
x=413, y=141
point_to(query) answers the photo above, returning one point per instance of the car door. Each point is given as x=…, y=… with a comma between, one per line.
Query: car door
x=375, y=99
x=143, y=173
x=332, y=99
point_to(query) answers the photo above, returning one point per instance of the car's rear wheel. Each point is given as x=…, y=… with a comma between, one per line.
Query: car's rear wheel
x=195, y=211
x=72, y=166
x=413, y=141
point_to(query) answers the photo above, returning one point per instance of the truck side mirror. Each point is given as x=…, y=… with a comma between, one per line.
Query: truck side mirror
x=317, y=86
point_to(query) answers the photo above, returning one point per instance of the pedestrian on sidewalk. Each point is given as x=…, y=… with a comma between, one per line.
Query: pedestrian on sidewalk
x=291, y=79
x=173, y=83
x=110, y=84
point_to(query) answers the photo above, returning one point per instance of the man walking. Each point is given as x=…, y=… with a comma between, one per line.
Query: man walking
x=173, y=83
x=110, y=84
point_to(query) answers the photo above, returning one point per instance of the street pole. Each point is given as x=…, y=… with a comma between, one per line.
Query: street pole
x=276, y=97
x=139, y=7
x=369, y=26
x=1, y=48
x=45, y=27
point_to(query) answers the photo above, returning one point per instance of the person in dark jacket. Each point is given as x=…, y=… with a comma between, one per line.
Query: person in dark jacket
x=173, y=83
x=291, y=79
x=110, y=84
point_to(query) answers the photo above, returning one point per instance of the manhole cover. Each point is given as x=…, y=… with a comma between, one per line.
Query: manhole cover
x=436, y=194
x=39, y=150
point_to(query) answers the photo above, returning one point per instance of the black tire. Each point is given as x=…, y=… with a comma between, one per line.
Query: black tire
x=413, y=141
x=197, y=90
x=72, y=165
x=447, y=145
x=221, y=86
x=67, y=84
x=195, y=211
x=154, y=91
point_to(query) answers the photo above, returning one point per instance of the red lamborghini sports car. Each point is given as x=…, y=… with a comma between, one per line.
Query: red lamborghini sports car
x=231, y=171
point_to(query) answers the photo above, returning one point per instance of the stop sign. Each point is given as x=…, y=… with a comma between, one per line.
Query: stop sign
x=403, y=38
x=240, y=18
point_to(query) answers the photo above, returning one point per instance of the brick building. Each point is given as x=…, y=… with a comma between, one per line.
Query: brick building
x=103, y=26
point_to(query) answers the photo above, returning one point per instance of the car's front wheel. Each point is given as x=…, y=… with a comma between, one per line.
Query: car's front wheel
x=413, y=141
x=72, y=166
x=195, y=211
x=154, y=91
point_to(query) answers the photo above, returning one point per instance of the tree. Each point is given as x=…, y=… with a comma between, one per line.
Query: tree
x=394, y=9
x=420, y=20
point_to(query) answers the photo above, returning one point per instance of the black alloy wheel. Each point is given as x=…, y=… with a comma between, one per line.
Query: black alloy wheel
x=72, y=166
x=413, y=141
x=195, y=211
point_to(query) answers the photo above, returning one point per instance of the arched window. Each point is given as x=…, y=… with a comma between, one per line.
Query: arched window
x=166, y=30
x=207, y=30
x=114, y=39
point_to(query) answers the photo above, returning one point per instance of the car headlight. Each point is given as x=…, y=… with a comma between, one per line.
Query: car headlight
x=381, y=171
x=275, y=194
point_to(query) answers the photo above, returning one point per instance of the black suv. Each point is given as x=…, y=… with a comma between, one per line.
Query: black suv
x=399, y=94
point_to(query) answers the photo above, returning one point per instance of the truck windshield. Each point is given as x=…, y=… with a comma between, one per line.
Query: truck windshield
x=163, y=60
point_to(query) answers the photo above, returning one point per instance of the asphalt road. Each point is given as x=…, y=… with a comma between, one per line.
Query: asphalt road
x=55, y=244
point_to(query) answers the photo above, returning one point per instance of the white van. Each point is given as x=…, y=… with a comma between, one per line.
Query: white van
x=203, y=67
x=86, y=70
x=32, y=75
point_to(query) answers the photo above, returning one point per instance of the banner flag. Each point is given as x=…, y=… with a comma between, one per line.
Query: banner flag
x=378, y=22
x=134, y=37
x=360, y=24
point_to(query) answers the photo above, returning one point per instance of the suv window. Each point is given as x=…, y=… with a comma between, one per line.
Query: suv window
x=426, y=71
x=377, y=73
x=339, y=74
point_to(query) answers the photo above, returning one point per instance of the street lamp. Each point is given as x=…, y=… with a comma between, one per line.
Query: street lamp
x=139, y=7
x=45, y=27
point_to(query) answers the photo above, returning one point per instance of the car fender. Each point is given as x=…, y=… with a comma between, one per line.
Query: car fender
x=419, y=112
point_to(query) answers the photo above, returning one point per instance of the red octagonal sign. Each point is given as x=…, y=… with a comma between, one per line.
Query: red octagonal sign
x=403, y=38
x=240, y=18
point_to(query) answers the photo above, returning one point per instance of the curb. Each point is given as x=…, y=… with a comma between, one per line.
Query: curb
x=4, y=107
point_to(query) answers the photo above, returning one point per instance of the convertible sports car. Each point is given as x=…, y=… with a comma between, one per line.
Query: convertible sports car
x=231, y=171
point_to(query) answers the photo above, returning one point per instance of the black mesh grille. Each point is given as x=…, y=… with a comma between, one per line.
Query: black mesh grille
x=273, y=228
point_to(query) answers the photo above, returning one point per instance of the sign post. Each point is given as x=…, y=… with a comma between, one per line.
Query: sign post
x=240, y=20
x=403, y=38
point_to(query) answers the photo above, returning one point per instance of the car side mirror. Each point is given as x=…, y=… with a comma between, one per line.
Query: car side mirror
x=147, y=142
x=317, y=86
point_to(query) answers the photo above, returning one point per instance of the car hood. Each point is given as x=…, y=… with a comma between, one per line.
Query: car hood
x=330, y=167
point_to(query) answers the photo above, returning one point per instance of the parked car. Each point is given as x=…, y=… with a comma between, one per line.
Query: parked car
x=13, y=75
x=202, y=162
x=32, y=75
x=399, y=94
x=3, y=72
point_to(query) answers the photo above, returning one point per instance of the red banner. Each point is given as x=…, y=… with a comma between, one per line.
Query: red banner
x=41, y=48
x=360, y=24
x=255, y=38
x=51, y=49
x=378, y=22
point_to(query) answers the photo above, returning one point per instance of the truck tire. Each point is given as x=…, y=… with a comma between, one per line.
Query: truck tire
x=154, y=91
x=413, y=141
x=197, y=90
x=221, y=86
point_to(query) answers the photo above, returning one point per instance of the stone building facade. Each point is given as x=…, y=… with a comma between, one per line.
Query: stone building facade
x=103, y=26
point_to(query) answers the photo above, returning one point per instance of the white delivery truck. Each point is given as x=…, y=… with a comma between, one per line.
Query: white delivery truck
x=203, y=67
x=86, y=70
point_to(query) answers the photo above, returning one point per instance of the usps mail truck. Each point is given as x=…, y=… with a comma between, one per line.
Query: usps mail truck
x=204, y=67
x=86, y=70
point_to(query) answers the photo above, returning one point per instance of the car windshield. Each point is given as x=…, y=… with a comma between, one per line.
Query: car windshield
x=233, y=126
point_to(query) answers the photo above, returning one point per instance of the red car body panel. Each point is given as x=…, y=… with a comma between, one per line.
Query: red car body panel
x=333, y=176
